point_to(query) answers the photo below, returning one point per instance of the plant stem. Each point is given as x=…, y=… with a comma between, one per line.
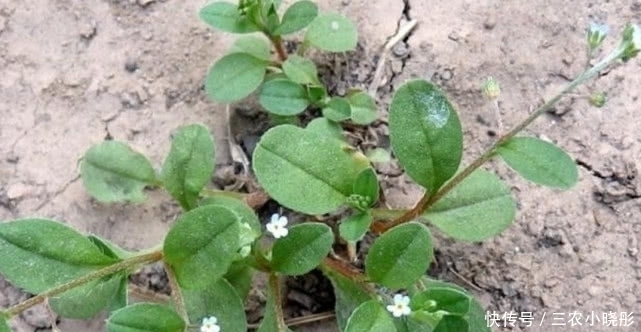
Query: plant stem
x=176, y=295
x=427, y=200
x=106, y=271
x=278, y=45
x=274, y=286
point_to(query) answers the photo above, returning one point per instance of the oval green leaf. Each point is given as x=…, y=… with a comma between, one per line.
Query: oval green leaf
x=363, y=108
x=425, y=134
x=302, y=249
x=257, y=46
x=145, y=317
x=540, y=162
x=283, y=97
x=87, y=300
x=189, y=165
x=370, y=317
x=112, y=172
x=354, y=227
x=337, y=109
x=226, y=17
x=31, y=246
x=332, y=32
x=301, y=70
x=447, y=299
x=234, y=77
x=400, y=256
x=320, y=169
x=201, y=245
x=296, y=17
x=480, y=207
x=219, y=300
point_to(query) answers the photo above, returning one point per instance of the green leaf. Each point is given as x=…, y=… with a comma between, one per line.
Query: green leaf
x=316, y=94
x=425, y=133
x=480, y=207
x=349, y=295
x=332, y=32
x=447, y=299
x=4, y=327
x=240, y=277
x=31, y=246
x=283, y=97
x=234, y=77
x=256, y=46
x=201, y=245
x=354, y=227
x=113, y=172
x=109, y=248
x=219, y=300
x=88, y=300
x=302, y=249
x=320, y=170
x=337, y=109
x=189, y=165
x=244, y=212
x=400, y=256
x=297, y=16
x=366, y=185
x=451, y=323
x=370, y=317
x=226, y=17
x=145, y=317
x=325, y=127
x=540, y=162
x=363, y=108
x=301, y=70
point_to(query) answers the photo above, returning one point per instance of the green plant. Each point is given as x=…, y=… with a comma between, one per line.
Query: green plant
x=215, y=246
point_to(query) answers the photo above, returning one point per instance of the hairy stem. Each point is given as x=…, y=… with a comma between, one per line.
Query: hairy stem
x=106, y=271
x=274, y=287
x=176, y=295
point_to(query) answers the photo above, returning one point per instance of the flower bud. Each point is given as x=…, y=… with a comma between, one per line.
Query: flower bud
x=491, y=88
x=596, y=35
x=631, y=42
x=598, y=99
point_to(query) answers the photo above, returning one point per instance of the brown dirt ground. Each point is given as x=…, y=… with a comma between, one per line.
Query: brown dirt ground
x=73, y=73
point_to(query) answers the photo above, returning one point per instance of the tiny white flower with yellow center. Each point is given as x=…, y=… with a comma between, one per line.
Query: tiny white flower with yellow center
x=210, y=324
x=401, y=306
x=278, y=226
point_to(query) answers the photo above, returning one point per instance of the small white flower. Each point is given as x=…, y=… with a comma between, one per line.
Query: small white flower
x=401, y=306
x=278, y=226
x=210, y=324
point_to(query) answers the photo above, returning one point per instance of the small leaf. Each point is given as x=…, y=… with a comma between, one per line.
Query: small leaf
x=366, y=185
x=226, y=17
x=301, y=70
x=540, y=162
x=302, y=249
x=4, y=327
x=337, y=109
x=320, y=170
x=400, y=256
x=316, y=94
x=370, y=317
x=256, y=46
x=201, y=245
x=31, y=246
x=378, y=155
x=451, y=323
x=283, y=97
x=326, y=127
x=113, y=172
x=480, y=207
x=332, y=32
x=219, y=300
x=297, y=17
x=447, y=299
x=363, y=108
x=189, y=165
x=349, y=295
x=145, y=317
x=234, y=77
x=425, y=133
x=240, y=277
x=87, y=300
x=354, y=227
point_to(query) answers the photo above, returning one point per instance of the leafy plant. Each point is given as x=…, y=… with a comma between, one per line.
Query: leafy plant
x=215, y=247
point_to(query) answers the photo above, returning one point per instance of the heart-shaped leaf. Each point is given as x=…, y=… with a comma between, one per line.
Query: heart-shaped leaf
x=201, y=245
x=219, y=300
x=226, y=17
x=480, y=207
x=400, y=256
x=113, y=172
x=540, y=162
x=332, y=32
x=302, y=249
x=189, y=165
x=425, y=133
x=297, y=17
x=234, y=77
x=31, y=246
x=145, y=317
x=370, y=317
x=283, y=97
x=320, y=170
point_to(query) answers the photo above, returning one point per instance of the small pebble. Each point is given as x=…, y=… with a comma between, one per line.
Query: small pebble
x=401, y=50
x=131, y=65
x=145, y=3
x=490, y=22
